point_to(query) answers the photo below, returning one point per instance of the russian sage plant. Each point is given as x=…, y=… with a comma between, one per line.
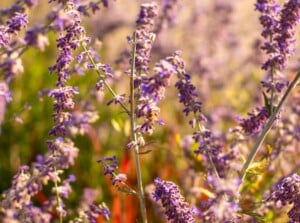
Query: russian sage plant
x=167, y=151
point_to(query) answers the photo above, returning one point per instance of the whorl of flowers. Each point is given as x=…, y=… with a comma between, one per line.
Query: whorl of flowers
x=92, y=214
x=13, y=26
x=74, y=35
x=176, y=209
x=144, y=36
x=211, y=147
x=187, y=92
x=110, y=165
x=289, y=18
x=10, y=63
x=29, y=181
x=152, y=91
x=255, y=122
x=278, y=30
x=288, y=192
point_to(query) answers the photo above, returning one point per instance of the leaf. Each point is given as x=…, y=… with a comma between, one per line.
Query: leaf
x=145, y=152
x=267, y=103
x=258, y=168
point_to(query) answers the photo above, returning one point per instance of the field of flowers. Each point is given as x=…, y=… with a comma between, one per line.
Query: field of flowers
x=135, y=111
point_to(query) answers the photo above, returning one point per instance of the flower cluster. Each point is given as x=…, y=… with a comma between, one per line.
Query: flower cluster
x=211, y=147
x=289, y=18
x=288, y=192
x=176, y=209
x=255, y=122
x=152, y=91
x=144, y=37
x=92, y=214
x=110, y=165
x=187, y=92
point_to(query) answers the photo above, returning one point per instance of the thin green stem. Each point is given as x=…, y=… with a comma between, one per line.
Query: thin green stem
x=141, y=195
x=267, y=128
x=103, y=79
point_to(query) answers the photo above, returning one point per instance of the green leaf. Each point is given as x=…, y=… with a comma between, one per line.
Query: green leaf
x=145, y=152
x=267, y=103
x=258, y=168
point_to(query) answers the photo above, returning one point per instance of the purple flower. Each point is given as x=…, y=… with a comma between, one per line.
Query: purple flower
x=4, y=36
x=95, y=211
x=74, y=35
x=16, y=23
x=110, y=164
x=212, y=149
x=286, y=192
x=255, y=122
x=279, y=30
x=289, y=18
x=11, y=67
x=144, y=36
x=63, y=98
x=65, y=189
x=176, y=209
x=269, y=19
x=152, y=91
x=63, y=101
x=36, y=37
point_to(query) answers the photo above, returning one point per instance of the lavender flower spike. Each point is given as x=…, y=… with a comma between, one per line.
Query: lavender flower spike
x=176, y=209
x=290, y=15
x=145, y=36
x=288, y=192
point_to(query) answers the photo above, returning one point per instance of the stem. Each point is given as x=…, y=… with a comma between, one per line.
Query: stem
x=57, y=198
x=211, y=162
x=134, y=135
x=267, y=128
x=131, y=113
x=103, y=79
x=272, y=90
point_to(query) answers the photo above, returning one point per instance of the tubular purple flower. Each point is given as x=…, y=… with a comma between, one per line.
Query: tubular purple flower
x=255, y=122
x=144, y=36
x=287, y=192
x=289, y=18
x=152, y=91
x=187, y=93
x=95, y=211
x=16, y=23
x=176, y=209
